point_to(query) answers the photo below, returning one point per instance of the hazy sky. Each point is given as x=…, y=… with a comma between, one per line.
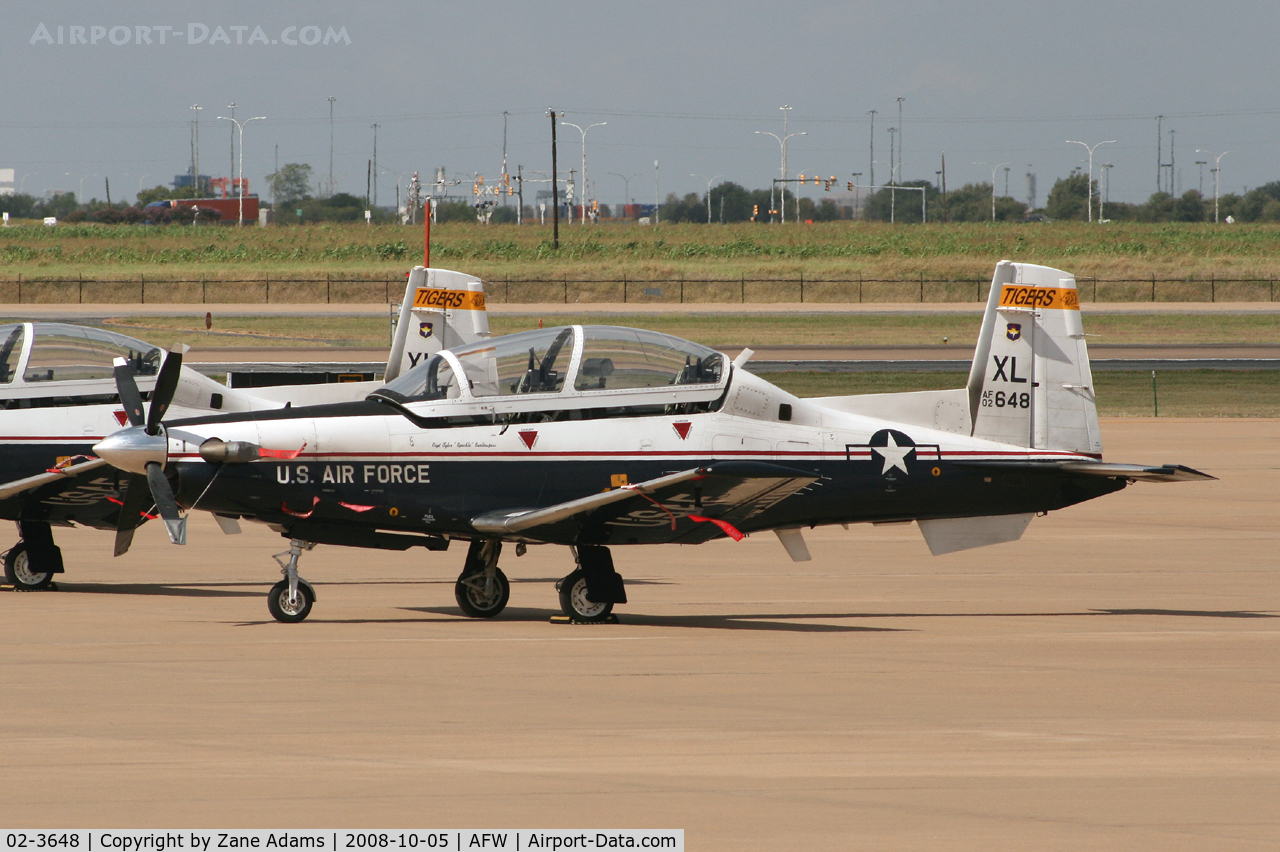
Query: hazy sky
x=685, y=83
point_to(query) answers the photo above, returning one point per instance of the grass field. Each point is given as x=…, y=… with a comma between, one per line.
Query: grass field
x=609, y=251
x=712, y=330
x=1180, y=393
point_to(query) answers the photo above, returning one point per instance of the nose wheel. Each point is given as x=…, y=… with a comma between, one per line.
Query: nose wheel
x=290, y=600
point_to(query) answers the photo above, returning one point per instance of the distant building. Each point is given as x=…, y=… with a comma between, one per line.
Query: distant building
x=6, y=182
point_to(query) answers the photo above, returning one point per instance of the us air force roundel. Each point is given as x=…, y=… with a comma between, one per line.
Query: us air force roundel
x=1014, y=331
x=894, y=447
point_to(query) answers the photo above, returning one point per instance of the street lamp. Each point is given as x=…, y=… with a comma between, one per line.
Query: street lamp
x=857, y=193
x=626, y=188
x=782, y=143
x=1089, y=187
x=22, y=186
x=1201, y=164
x=240, y=125
x=708, y=180
x=195, y=158
x=80, y=197
x=1217, y=167
x=994, y=169
x=584, y=162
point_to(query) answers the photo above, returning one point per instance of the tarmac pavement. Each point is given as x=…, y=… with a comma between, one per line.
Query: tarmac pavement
x=1108, y=682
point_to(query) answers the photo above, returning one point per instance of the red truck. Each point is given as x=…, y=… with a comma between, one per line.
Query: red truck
x=228, y=208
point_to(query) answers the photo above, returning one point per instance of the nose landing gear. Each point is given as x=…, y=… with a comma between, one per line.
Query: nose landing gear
x=290, y=600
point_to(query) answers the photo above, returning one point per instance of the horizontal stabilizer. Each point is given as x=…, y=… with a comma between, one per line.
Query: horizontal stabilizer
x=1131, y=472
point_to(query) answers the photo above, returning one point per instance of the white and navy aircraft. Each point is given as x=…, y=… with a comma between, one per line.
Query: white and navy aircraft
x=59, y=397
x=598, y=436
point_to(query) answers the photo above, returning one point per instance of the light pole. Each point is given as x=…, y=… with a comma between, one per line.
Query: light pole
x=240, y=125
x=1201, y=164
x=22, y=186
x=1217, y=167
x=1006, y=181
x=332, y=99
x=782, y=144
x=708, y=180
x=893, y=177
x=375, y=164
x=584, y=162
x=1089, y=186
x=857, y=193
x=994, y=169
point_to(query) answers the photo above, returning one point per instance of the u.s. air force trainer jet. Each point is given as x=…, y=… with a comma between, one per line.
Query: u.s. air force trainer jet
x=597, y=436
x=59, y=397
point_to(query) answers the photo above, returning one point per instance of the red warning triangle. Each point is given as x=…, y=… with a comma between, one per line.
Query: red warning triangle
x=682, y=428
x=121, y=417
x=529, y=438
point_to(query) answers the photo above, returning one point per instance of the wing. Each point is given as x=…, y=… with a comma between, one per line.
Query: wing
x=17, y=486
x=660, y=509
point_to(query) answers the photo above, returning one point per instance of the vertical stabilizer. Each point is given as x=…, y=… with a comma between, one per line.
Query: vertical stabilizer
x=1030, y=384
x=441, y=309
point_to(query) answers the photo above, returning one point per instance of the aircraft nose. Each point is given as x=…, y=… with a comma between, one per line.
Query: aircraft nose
x=133, y=449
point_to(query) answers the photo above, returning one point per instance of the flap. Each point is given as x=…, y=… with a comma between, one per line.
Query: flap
x=732, y=489
x=1131, y=472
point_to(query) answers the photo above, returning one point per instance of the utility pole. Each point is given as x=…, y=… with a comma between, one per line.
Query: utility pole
x=1201, y=163
x=196, y=177
x=1173, y=187
x=520, y=195
x=1006, y=181
x=1159, y=154
x=1106, y=191
x=555, y=193
x=872, y=170
x=901, y=170
x=232, y=167
x=893, y=174
x=375, y=164
x=331, y=100
x=1217, y=167
x=945, y=216
x=656, y=205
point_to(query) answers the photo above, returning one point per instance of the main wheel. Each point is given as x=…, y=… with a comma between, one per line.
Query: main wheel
x=284, y=610
x=573, y=600
x=480, y=599
x=19, y=571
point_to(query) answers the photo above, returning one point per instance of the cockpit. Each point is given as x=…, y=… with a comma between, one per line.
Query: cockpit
x=569, y=372
x=49, y=363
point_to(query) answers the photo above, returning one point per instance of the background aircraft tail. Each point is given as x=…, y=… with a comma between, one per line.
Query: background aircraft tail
x=1030, y=383
x=441, y=309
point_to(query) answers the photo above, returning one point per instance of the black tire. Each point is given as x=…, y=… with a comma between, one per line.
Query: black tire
x=573, y=600
x=281, y=610
x=473, y=599
x=18, y=570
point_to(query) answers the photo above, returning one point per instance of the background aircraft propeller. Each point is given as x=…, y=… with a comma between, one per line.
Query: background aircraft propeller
x=135, y=499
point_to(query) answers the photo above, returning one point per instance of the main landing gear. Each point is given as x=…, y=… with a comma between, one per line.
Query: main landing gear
x=589, y=593
x=31, y=563
x=290, y=600
x=482, y=589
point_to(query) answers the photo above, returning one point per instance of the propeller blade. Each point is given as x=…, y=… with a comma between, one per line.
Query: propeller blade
x=128, y=390
x=137, y=498
x=166, y=385
x=166, y=504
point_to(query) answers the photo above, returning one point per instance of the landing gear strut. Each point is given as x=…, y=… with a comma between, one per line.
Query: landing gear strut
x=482, y=589
x=589, y=593
x=31, y=563
x=290, y=600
